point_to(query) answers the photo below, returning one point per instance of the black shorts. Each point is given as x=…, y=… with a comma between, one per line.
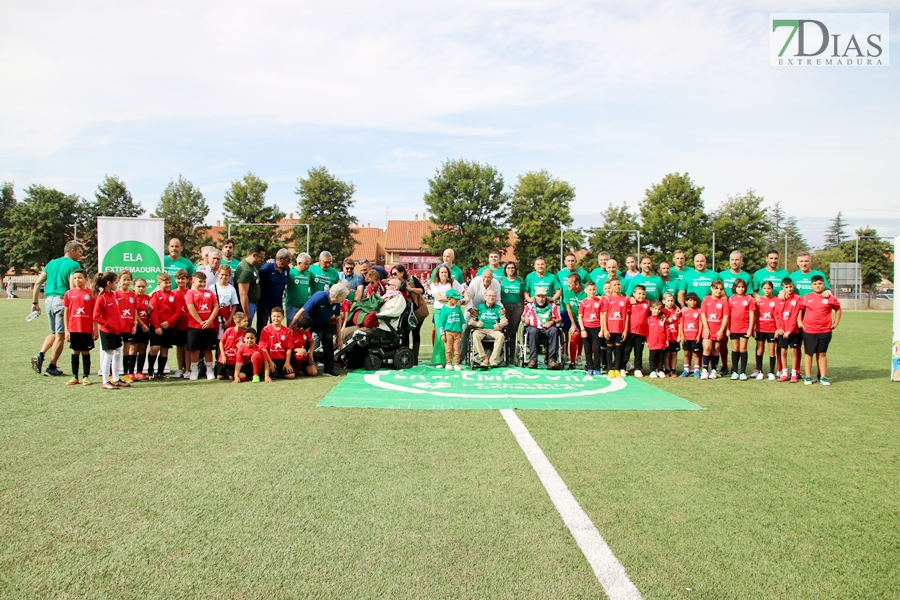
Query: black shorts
x=673, y=347
x=126, y=338
x=247, y=370
x=166, y=340
x=738, y=336
x=614, y=338
x=695, y=346
x=793, y=340
x=140, y=337
x=225, y=371
x=81, y=342
x=110, y=341
x=180, y=337
x=201, y=340
x=765, y=336
x=278, y=372
x=816, y=343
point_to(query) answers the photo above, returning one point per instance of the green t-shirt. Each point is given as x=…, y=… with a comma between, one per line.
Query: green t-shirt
x=320, y=280
x=562, y=278
x=454, y=270
x=574, y=301
x=173, y=266
x=728, y=278
x=802, y=283
x=699, y=282
x=534, y=281
x=297, y=291
x=599, y=276
x=679, y=275
x=452, y=318
x=489, y=315
x=58, y=272
x=498, y=272
x=673, y=286
x=247, y=273
x=233, y=263
x=764, y=275
x=511, y=291
x=652, y=283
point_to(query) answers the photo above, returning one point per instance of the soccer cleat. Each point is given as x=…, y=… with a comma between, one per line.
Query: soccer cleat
x=178, y=374
x=704, y=374
x=653, y=375
x=771, y=376
x=807, y=381
x=734, y=376
x=449, y=367
x=84, y=381
x=121, y=383
x=638, y=373
x=73, y=381
x=743, y=377
x=255, y=379
x=756, y=374
x=127, y=379
x=784, y=378
x=713, y=374
x=37, y=363
x=685, y=373
x=457, y=367
x=109, y=386
x=696, y=374
x=824, y=381
x=794, y=379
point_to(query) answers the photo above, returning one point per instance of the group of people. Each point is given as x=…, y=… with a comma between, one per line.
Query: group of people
x=302, y=309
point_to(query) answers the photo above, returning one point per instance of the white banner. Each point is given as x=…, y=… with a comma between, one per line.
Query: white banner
x=895, y=346
x=135, y=244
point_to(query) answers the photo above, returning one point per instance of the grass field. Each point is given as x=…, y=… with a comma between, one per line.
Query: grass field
x=185, y=489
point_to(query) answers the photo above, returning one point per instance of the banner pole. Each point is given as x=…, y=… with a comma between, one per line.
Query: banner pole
x=895, y=353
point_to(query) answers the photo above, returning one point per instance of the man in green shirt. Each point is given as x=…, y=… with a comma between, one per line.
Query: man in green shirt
x=174, y=261
x=803, y=276
x=489, y=321
x=448, y=257
x=55, y=278
x=735, y=272
x=680, y=269
x=612, y=270
x=672, y=286
x=562, y=278
x=228, y=255
x=297, y=292
x=541, y=278
x=698, y=280
x=322, y=275
x=770, y=273
x=494, y=265
x=246, y=278
x=599, y=275
x=653, y=284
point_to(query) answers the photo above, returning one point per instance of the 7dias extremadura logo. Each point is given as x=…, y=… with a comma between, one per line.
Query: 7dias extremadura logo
x=829, y=40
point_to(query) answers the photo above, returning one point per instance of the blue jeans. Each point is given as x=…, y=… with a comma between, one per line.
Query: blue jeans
x=251, y=312
x=290, y=312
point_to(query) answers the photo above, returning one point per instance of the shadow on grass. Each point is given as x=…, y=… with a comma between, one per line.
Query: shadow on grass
x=840, y=374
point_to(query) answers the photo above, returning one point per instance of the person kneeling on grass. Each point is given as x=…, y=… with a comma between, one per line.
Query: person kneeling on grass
x=277, y=342
x=815, y=321
x=248, y=351
x=228, y=346
x=302, y=355
x=489, y=322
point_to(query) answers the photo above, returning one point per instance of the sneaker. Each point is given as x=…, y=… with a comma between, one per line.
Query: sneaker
x=121, y=383
x=653, y=375
x=109, y=386
x=194, y=374
x=127, y=379
x=457, y=367
x=685, y=373
x=327, y=374
x=734, y=376
x=807, y=381
x=73, y=381
x=85, y=381
x=638, y=373
x=629, y=365
x=771, y=377
x=161, y=377
x=255, y=379
x=696, y=374
x=794, y=379
x=178, y=374
x=187, y=374
x=449, y=367
x=661, y=374
x=784, y=378
x=743, y=377
x=37, y=363
x=760, y=376
x=824, y=381
x=704, y=374
x=713, y=374
x=53, y=372
x=210, y=375
x=756, y=374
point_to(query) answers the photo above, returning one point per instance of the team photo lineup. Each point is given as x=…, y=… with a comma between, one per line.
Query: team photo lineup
x=257, y=319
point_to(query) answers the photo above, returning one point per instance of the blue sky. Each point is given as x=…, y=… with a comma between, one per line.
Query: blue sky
x=609, y=96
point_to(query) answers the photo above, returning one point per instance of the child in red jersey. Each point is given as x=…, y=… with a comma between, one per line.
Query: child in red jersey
x=714, y=312
x=816, y=322
x=203, y=309
x=672, y=314
x=126, y=298
x=742, y=323
x=766, y=309
x=616, y=327
x=637, y=328
x=657, y=339
x=108, y=315
x=182, y=279
x=228, y=344
x=80, y=328
x=788, y=331
x=277, y=342
x=589, y=314
x=165, y=310
x=248, y=360
x=142, y=328
x=302, y=354
x=691, y=338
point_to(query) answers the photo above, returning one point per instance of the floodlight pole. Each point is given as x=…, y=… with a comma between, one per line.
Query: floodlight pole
x=270, y=225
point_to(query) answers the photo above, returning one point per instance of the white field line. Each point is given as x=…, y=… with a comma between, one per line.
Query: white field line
x=606, y=566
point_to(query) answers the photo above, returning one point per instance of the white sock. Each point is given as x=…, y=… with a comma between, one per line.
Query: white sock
x=106, y=363
x=119, y=368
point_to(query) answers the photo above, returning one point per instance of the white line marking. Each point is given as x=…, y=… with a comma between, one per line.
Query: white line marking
x=606, y=566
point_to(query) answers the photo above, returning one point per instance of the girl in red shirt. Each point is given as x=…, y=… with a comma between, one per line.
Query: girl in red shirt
x=142, y=328
x=637, y=328
x=672, y=314
x=714, y=312
x=589, y=314
x=228, y=346
x=691, y=329
x=108, y=314
x=126, y=296
x=657, y=339
x=182, y=279
x=743, y=322
x=615, y=328
x=766, y=310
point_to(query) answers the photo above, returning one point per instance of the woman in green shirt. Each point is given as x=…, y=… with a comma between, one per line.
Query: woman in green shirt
x=511, y=290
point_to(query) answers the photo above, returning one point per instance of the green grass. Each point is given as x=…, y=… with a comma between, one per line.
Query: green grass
x=185, y=489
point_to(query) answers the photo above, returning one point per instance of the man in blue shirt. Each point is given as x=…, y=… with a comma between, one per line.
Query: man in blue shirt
x=273, y=279
x=324, y=308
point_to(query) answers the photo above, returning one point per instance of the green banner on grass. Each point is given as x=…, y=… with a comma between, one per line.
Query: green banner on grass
x=430, y=388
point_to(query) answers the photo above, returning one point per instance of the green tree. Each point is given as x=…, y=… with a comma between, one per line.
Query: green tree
x=835, y=235
x=184, y=208
x=540, y=206
x=741, y=223
x=325, y=203
x=673, y=217
x=874, y=261
x=7, y=203
x=111, y=199
x=469, y=207
x=245, y=202
x=40, y=226
x=619, y=244
x=784, y=226
x=822, y=259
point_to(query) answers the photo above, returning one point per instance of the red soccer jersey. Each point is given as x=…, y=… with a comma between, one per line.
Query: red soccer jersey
x=817, y=312
x=740, y=308
x=715, y=309
x=230, y=340
x=788, y=311
x=640, y=312
x=204, y=301
x=182, y=323
x=165, y=308
x=766, y=309
x=142, y=306
x=302, y=340
x=108, y=313
x=277, y=342
x=690, y=321
x=673, y=318
x=589, y=312
x=243, y=354
x=657, y=333
x=616, y=311
x=81, y=310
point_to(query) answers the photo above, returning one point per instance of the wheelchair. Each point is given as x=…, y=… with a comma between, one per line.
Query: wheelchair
x=488, y=344
x=523, y=349
x=373, y=349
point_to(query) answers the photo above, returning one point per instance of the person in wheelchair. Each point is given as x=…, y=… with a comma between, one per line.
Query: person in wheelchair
x=489, y=321
x=542, y=320
x=378, y=313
